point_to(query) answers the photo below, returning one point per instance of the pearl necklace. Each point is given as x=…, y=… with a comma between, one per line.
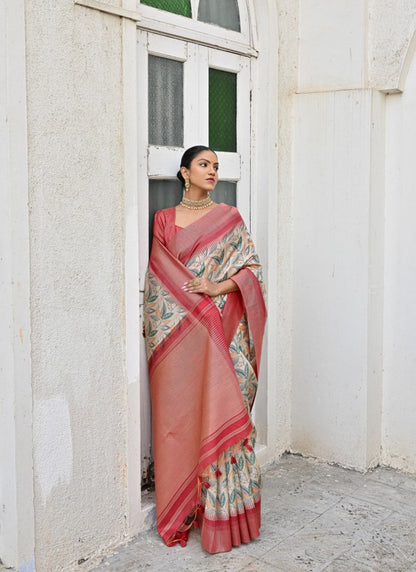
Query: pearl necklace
x=196, y=205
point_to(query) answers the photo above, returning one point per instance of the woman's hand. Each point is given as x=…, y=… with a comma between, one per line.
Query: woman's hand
x=204, y=286
x=201, y=286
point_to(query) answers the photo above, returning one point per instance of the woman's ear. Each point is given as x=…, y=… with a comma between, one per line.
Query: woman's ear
x=185, y=172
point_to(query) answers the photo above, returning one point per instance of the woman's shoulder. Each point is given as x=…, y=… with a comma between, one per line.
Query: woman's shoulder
x=164, y=214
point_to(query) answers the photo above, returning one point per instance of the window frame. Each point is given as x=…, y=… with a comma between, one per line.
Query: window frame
x=191, y=29
x=161, y=162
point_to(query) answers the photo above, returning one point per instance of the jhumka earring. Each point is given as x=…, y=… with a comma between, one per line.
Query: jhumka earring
x=187, y=185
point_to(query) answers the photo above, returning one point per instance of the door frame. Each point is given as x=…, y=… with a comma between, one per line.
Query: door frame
x=264, y=226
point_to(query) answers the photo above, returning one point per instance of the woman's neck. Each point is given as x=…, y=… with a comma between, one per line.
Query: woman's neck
x=196, y=194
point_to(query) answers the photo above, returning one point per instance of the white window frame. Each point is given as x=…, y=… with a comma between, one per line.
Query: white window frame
x=176, y=26
x=160, y=162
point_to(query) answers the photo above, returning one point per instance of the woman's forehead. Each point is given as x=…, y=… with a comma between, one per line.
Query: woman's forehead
x=207, y=156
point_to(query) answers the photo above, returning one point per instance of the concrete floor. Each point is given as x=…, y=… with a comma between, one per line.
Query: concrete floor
x=315, y=517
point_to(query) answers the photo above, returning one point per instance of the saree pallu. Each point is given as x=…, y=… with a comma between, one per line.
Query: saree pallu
x=203, y=358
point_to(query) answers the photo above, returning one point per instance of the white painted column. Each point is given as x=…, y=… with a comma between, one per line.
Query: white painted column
x=399, y=395
x=16, y=471
x=270, y=207
x=338, y=276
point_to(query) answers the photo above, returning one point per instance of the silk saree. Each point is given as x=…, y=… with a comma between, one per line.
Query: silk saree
x=203, y=357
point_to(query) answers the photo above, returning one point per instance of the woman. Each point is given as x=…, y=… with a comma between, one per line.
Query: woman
x=204, y=320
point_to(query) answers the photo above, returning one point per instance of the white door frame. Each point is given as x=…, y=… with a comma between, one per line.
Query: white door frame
x=17, y=531
x=264, y=226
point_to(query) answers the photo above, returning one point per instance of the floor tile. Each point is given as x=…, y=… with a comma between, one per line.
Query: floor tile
x=394, y=497
x=315, y=517
x=328, y=536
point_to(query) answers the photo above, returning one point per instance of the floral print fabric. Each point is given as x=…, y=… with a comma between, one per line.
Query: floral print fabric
x=228, y=508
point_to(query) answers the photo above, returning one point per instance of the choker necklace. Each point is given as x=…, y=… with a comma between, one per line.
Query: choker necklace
x=196, y=205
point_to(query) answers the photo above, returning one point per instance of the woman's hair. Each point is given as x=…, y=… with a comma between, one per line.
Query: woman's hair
x=189, y=156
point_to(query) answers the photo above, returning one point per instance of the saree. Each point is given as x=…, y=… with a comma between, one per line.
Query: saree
x=203, y=358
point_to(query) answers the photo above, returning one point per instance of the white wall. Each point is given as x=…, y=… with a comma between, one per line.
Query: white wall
x=353, y=297
x=75, y=139
x=337, y=238
x=332, y=45
x=337, y=277
x=399, y=400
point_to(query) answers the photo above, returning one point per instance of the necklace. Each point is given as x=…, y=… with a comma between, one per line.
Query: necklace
x=196, y=205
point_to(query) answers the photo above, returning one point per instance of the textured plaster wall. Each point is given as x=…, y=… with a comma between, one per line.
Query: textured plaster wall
x=399, y=426
x=392, y=24
x=74, y=99
x=349, y=44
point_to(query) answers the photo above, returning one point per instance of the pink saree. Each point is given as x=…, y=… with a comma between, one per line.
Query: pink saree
x=203, y=357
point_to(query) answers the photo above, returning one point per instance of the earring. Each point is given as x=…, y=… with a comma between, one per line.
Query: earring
x=187, y=185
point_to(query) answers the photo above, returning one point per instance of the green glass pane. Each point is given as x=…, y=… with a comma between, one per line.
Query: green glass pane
x=222, y=110
x=222, y=13
x=181, y=7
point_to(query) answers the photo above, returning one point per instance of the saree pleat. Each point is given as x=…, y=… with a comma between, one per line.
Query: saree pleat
x=203, y=357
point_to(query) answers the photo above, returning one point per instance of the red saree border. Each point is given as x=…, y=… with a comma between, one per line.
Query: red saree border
x=216, y=440
x=167, y=344
x=232, y=313
x=255, y=308
x=221, y=535
x=200, y=306
x=187, y=497
x=203, y=232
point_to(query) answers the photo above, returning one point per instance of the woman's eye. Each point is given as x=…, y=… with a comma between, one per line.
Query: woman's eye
x=216, y=168
x=202, y=164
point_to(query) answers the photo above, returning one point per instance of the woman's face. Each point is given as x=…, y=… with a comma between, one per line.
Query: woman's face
x=203, y=171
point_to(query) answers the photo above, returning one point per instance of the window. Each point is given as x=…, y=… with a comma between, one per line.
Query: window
x=224, y=13
x=190, y=94
x=224, y=24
